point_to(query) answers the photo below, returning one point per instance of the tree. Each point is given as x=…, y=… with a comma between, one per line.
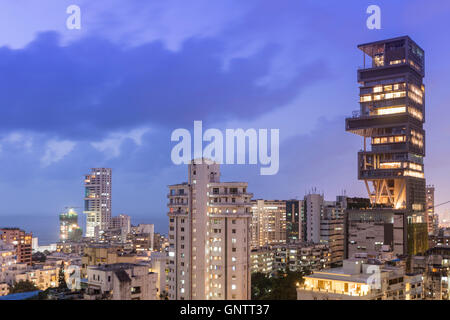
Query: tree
x=22, y=286
x=283, y=286
x=164, y=295
x=261, y=286
x=38, y=257
x=62, y=285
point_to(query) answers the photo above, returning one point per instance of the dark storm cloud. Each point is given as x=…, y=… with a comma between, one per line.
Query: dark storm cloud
x=92, y=86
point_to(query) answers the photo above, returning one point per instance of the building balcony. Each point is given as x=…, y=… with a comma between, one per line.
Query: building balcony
x=364, y=124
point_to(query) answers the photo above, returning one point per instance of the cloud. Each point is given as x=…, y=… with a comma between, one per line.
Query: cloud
x=18, y=140
x=56, y=150
x=111, y=145
x=93, y=87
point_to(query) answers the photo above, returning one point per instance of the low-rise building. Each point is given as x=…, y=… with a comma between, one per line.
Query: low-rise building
x=301, y=257
x=95, y=255
x=262, y=260
x=362, y=279
x=121, y=281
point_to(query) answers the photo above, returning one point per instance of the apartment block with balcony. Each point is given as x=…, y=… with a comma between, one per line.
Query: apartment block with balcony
x=262, y=260
x=21, y=241
x=209, y=236
x=301, y=257
x=361, y=279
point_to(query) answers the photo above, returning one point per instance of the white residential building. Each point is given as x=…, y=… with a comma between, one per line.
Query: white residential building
x=121, y=281
x=209, y=236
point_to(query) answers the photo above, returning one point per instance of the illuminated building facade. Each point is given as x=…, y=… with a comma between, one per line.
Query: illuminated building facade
x=69, y=229
x=295, y=217
x=209, y=237
x=21, y=241
x=268, y=223
x=97, y=201
x=430, y=210
x=354, y=281
x=391, y=118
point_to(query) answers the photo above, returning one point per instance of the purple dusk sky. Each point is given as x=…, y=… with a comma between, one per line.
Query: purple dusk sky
x=111, y=93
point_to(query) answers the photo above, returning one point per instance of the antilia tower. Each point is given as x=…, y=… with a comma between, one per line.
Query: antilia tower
x=390, y=121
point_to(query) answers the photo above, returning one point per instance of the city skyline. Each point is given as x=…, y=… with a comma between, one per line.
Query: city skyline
x=45, y=154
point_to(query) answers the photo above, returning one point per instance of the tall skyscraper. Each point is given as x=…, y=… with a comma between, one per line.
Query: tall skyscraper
x=97, y=201
x=268, y=223
x=391, y=116
x=209, y=223
x=69, y=229
x=430, y=210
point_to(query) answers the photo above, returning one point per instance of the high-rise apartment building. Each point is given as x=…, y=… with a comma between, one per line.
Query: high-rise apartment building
x=69, y=230
x=430, y=210
x=391, y=118
x=21, y=241
x=209, y=236
x=314, y=206
x=268, y=225
x=122, y=221
x=332, y=228
x=324, y=221
x=97, y=201
x=295, y=218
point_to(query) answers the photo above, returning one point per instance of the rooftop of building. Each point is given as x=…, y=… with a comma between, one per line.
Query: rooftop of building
x=367, y=48
x=20, y=296
x=117, y=266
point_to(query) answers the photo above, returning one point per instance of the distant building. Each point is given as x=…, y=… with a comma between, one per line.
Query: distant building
x=268, y=222
x=324, y=222
x=332, y=228
x=8, y=259
x=295, y=220
x=159, y=266
x=436, y=270
x=121, y=281
x=430, y=210
x=97, y=201
x=69, y=230
x=97, y=254
x=122, y=222
x=301, y=257
x=21, y=241
x=142, y=237
x=262, y=260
